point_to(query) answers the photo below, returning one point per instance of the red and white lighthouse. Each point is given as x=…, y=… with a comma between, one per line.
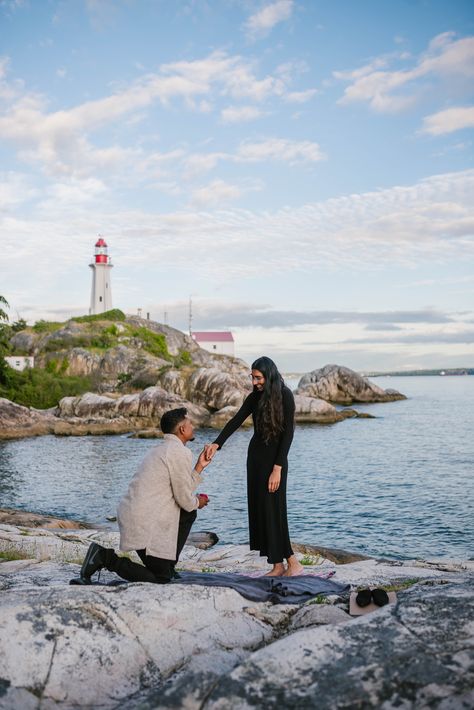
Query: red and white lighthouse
x=101, y=294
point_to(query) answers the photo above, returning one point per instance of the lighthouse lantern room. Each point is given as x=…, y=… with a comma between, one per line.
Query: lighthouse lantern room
x=101, y=293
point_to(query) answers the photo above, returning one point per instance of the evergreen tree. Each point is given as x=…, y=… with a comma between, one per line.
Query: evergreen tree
x=4, y=338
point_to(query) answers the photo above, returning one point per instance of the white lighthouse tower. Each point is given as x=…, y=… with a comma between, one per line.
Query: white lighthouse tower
x=101, y=294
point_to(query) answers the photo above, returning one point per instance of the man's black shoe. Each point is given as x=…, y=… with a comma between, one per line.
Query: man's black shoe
x=95, y=559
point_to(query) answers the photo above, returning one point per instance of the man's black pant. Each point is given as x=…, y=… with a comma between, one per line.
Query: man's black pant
x=156, y=569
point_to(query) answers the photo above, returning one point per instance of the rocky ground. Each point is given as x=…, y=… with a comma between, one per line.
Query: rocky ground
x=170, y=646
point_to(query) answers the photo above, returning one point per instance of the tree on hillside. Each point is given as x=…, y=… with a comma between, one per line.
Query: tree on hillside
x=3, y=340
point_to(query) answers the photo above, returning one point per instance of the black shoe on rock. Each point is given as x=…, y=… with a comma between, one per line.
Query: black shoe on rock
x=364, y=597
x=96, y=558
x=380, y=597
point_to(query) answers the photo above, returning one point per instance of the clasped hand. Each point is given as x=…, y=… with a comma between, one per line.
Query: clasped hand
x=209, y=451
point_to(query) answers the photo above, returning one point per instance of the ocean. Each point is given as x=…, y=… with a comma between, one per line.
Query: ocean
x=400, y=485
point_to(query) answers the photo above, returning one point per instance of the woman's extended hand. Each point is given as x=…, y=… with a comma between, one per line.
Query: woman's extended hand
x=274, y=480
x=210, y=450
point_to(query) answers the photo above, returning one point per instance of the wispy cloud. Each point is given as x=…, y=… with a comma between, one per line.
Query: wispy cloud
x=262, y=22
x=430, y=220
x=249, y=315
x=449, y=120
x=216, y=193
x=240, y=114
x=61, y=142
x=290, y=151
x=390, y=91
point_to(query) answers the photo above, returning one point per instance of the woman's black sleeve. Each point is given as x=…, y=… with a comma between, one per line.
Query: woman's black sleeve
x=286, y=436
x=237, y=420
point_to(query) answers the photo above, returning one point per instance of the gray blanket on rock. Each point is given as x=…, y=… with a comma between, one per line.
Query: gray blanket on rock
x=279, y=590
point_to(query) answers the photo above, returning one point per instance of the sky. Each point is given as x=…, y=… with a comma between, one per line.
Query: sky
x=301, y=170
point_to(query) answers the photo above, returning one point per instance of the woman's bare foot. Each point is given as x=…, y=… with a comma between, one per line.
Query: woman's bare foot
x=294, y=567
x=277, y=571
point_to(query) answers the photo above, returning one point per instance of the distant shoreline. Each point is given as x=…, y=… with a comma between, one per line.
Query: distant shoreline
x=437, y=372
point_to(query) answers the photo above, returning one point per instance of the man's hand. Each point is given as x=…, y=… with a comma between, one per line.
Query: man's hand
x=210, y=450
x=202, y=462
x=274, y=480
x=203, y=500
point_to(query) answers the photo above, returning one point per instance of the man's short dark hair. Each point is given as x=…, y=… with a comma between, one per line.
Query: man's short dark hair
x=172, y=419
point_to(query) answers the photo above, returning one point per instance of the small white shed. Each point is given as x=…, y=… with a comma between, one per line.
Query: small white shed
x=20, y=362
x=219, y=342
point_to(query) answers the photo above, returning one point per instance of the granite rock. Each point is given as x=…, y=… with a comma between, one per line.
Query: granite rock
x=341, y=385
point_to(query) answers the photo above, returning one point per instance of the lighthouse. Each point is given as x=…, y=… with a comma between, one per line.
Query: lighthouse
x=101, y=293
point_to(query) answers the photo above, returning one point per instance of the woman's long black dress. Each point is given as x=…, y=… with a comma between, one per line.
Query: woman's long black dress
x=268, y=523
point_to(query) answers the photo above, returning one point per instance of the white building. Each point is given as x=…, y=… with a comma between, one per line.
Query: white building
x=101, y=293
x=219, y=342
x=20, y=362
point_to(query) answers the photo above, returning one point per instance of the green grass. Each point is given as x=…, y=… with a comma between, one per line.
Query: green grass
x=10, y=555
x=209, y=569
x=44, y=326
x=319, y=599
x=153, y=343
x=401, y=585
x=183, y=359
x=309, y=560
x=115, y=314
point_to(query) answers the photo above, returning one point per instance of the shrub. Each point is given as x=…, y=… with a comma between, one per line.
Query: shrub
x=153, y=343
x=44, y=326
x=41, y=389
x=184, y=358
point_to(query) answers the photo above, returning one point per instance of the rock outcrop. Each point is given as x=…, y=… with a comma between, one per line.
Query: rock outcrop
x=341, y=385
x=17, y=421
x=167, y=646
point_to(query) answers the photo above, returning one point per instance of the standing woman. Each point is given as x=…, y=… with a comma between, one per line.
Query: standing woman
x=272, y=407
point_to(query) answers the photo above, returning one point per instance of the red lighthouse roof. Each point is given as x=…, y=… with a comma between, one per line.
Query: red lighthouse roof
x=101, y=242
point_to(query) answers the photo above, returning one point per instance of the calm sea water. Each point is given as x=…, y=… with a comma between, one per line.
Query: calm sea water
x=400, y=485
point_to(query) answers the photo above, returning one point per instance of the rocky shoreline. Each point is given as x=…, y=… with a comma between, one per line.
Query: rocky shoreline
x=211, y=395
x=168, y=646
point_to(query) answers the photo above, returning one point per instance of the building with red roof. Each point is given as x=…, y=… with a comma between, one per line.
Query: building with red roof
x=219, y=342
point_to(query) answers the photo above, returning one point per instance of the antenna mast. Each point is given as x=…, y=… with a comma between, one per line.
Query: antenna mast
x=190, y=316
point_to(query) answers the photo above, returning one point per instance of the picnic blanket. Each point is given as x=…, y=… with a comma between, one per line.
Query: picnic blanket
x=278, y=590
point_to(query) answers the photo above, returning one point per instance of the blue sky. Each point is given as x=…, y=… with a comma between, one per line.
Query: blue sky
x=303, y=170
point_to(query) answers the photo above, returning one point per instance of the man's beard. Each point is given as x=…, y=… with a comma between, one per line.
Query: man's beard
x=192, y=439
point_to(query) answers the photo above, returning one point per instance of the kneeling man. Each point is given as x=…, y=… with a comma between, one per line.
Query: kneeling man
x=158, y=510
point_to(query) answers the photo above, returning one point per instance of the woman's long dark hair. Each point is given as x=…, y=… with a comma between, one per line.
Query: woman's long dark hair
x=270, y=406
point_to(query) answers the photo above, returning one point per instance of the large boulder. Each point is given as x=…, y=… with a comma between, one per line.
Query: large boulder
x=148, y=405
x=17, y=421
x=212, y=387
x=341, y=385
x=316, y=411
x=216, y=389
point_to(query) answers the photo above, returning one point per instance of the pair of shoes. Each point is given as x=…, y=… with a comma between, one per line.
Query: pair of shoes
x=96, y=558
x=378, y=596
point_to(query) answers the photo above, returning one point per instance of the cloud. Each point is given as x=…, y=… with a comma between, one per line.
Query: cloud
x=215, y=193
x=61, y=141
x=262, y=22
x=429, y=221
x=449, y=120
x=15, y=189
x=280, y=149
x=391, y=91
x=462, y=338
x=249, y=315
x=240, y=114
x=300, y=97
